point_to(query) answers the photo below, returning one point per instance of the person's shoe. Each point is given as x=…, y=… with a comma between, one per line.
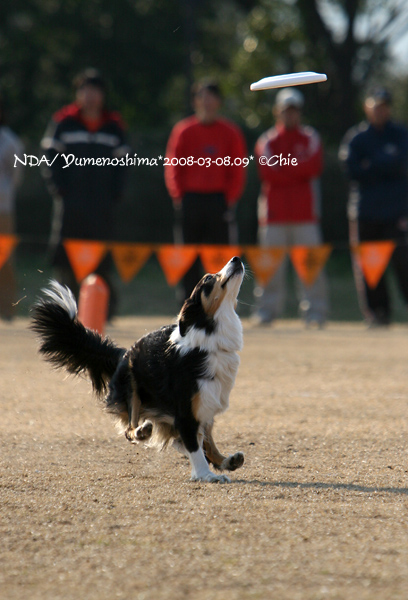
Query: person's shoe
x=258, y=320
x=6, y=318
x=316, y=322
x=377, y=323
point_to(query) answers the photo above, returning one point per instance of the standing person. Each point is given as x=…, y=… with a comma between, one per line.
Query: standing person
x=375, y=155
x=289, y=160
x=204, y=193
x=10, y=177
x=85, y=194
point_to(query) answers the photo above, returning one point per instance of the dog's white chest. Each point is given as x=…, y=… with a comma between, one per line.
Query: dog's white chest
x=221, y=364
x=226, y=372
x=215, y=389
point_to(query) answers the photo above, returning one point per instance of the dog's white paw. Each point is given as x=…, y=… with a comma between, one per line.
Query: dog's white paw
x=144, y=432
x=233, y=462
x=211, y=478
x=140, y=434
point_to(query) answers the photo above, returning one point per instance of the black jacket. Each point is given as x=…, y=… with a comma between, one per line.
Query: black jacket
x=86, y=173
x=377, y=164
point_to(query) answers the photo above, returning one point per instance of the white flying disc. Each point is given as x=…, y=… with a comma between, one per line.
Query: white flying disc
x=269, y=83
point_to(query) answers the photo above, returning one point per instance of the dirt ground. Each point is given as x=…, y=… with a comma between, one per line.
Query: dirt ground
x=318, y=511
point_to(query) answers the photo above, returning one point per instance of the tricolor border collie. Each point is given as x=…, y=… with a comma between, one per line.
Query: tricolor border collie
x=174, y=381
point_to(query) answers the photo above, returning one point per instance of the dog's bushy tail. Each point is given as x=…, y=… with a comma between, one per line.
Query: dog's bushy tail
x=66, y=343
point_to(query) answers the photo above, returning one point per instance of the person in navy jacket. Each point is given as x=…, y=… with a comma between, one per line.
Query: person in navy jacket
x=375, y=155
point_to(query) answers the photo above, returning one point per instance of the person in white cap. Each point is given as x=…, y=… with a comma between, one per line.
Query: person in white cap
x=289, y=161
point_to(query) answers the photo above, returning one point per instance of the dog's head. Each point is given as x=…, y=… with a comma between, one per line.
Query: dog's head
x=210, y=296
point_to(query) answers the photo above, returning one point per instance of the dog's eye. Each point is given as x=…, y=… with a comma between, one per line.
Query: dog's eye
x=208, y=284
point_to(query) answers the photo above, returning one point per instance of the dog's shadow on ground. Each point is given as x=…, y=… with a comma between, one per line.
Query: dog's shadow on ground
x=317, y=485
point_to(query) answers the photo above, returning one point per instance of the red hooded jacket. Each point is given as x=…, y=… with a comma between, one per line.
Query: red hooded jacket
x=289, y=191
x=218, y=140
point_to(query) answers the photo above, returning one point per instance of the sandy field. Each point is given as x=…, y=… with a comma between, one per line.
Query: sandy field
x=318, y=511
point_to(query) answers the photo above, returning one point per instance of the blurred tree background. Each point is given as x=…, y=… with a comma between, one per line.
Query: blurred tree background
x=150, y=51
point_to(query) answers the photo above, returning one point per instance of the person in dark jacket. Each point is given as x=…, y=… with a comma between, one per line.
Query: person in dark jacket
x=375, y=155
x=83, y=144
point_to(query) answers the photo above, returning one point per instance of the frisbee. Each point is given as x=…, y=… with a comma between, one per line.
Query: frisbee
x=269, y=83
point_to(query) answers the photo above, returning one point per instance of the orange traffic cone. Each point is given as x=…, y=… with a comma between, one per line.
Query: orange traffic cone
x=93, y=303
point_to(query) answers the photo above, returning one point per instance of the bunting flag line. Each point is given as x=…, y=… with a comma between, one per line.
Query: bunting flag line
x=308, y=261
x=7, y=245
x=175, y=261
x=264, y=262
x=84, y=256
x=373, y=259
x=130, y=258
x=214, y=258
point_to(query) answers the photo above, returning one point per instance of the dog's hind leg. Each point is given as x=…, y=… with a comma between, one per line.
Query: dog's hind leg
x=144, y=431
x=134, y=433
x=134, y=412
x=214, y=456
x=124, y=402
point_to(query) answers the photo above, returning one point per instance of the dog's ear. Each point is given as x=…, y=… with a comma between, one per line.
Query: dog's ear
x=187, y=316
x=193, y=315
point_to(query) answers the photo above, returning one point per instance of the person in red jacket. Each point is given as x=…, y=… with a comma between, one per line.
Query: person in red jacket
x=289, y=160
x=204, y=175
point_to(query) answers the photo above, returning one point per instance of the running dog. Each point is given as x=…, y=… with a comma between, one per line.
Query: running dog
x=174, y=381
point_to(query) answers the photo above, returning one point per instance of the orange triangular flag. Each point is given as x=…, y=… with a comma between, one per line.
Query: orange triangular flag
x=84, y=256
x=7, y=244
x=176, y=261
x=264, y=262
x=130, y=258
x=309, y=261
x=214, y=258
x=373, y=258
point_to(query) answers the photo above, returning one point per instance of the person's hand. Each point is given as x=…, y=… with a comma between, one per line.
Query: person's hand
x=229, y=215
x=403, y=224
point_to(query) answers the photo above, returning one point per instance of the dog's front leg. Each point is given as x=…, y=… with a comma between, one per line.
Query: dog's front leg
x=214, y=456
x=200, y=471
